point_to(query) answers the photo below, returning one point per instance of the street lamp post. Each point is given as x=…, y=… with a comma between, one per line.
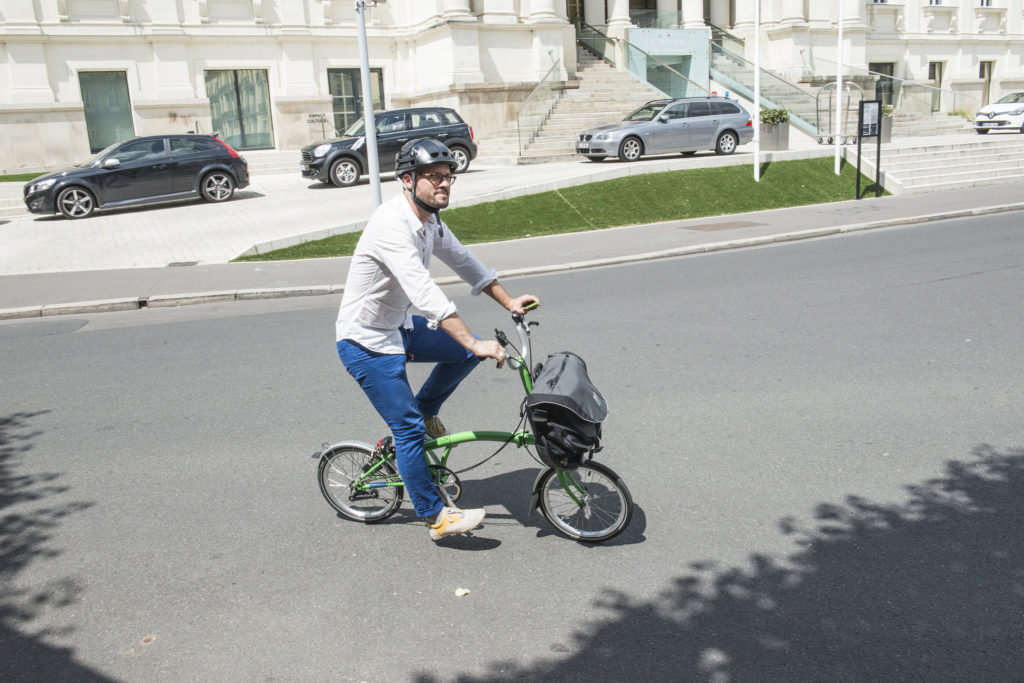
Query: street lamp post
x=369, y=127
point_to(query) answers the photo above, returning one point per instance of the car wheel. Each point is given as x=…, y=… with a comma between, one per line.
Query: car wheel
x=981, y=131
x=461, y=157
x=726, y=143
x=687, y=154
x=596, y=158
x=630, y=149
x=217, y=186
x=344, y=173
x=75, y=202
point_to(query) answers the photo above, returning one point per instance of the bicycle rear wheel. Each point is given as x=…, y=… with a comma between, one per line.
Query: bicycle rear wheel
x=593, y=506
x=369, y=501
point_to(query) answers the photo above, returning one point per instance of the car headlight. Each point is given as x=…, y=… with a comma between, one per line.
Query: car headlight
x=41, y=185
x=321, y=150
x=601, y=136
x=1016, y=112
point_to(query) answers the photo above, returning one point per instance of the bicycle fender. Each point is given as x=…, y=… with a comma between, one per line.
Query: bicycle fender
x=535, y=492
x=342, y=444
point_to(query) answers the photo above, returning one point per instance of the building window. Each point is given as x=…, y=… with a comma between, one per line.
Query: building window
x=346, y=91
x=240, y=107
x=108, y=109
x=984, y=3
x=879, y=2
x=934, y=3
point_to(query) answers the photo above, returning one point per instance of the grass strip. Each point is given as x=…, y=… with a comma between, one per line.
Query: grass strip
x=634, y=200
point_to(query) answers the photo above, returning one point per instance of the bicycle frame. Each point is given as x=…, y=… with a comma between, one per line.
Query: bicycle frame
x=447, y=442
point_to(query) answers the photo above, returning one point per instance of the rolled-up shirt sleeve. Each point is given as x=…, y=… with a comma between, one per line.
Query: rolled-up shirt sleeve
x=402, y=259
x=466, y=265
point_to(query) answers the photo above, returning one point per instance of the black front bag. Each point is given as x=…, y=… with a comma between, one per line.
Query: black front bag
x=565, y=411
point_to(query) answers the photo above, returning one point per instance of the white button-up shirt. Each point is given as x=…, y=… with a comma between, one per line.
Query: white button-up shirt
x=389, y=276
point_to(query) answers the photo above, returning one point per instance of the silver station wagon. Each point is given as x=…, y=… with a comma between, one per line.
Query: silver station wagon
x=685, y=126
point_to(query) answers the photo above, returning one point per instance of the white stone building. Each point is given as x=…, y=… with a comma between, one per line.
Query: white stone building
x=76, y=75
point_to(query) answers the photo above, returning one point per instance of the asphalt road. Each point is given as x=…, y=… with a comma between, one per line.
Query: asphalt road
x=823, y=440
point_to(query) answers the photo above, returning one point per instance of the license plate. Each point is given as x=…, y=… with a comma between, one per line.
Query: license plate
x=988, y=124
x=304, y=167
x=583, y=147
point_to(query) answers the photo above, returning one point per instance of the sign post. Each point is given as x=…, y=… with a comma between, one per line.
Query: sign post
x=869, y=125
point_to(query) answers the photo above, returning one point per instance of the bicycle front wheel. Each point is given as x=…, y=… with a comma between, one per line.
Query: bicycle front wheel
x=358, y=484
x=590, y=503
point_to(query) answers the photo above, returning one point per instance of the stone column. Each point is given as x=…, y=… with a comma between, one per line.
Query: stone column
x=744, y=19
x=791, y=11
x=693, y=14
x=457, y=10
x=618, y=19
x=499, y=12
x=542, y=11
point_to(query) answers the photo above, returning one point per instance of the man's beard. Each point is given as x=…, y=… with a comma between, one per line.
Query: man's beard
x=431, y=199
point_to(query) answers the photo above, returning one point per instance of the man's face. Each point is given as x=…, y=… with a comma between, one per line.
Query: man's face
x=435, y=195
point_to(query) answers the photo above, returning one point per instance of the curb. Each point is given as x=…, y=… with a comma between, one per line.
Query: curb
x=193, y=298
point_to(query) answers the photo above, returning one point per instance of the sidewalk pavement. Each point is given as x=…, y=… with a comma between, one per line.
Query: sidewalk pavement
x=30, y=292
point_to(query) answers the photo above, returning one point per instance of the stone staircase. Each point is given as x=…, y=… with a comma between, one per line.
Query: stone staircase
x=904, y=124
x=604, y=95
x=953, y=165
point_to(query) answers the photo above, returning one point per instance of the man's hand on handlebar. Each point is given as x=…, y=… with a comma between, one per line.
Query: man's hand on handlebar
x=519, y=304
x=489, y=348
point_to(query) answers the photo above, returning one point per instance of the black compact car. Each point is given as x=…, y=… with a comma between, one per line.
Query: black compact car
x=141, y=170
x=342, y=160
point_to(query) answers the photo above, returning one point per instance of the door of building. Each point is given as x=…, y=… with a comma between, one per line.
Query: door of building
x=346, y=91
x=884, y=85
x=985, y=74
x=240, y=107
x=108, y=109
x=935, y=76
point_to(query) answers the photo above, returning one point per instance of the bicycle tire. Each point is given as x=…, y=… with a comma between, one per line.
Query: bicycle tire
x=341, y=466
x=607, y=504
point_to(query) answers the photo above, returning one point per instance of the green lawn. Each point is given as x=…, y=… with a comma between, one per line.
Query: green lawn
x=18, y=177
x=634, y=200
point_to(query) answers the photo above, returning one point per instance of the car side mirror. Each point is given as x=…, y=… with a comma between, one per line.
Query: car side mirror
x=663, y=118
x=111, y=163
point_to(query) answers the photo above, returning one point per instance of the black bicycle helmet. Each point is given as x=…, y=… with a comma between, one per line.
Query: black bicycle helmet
x=420, y=152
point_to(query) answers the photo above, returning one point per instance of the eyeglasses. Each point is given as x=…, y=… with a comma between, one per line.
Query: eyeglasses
x=437, y=178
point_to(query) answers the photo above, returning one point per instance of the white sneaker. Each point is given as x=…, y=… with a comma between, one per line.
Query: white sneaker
x=452, y=521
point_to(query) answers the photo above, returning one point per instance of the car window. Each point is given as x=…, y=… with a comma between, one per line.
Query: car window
x=450, y=117
x=425, y=119
x=723, y=108
x=391, y=123
x=646, y=112
x=676, y=111
x=183, y=145
x=1012, y=98
x=134, y=151
x=699, y=108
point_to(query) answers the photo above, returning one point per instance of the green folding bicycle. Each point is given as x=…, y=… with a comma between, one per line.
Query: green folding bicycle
x=586, y=502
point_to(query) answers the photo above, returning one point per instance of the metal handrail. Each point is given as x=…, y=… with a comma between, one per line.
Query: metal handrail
x=631, y=47
x=960, y=102
x=537, y=106
x=775, y=92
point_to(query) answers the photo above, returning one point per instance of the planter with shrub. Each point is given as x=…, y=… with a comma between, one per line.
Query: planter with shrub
x=774, y=129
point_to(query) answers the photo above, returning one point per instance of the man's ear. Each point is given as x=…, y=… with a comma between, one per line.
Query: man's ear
x=407, y=180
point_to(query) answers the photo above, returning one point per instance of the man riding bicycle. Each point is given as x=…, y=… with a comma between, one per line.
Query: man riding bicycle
x=376, y=333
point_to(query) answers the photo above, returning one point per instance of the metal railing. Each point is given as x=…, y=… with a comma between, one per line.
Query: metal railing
x=536, y=108
x=904, y=95
x=737, y=74
x=655, y=72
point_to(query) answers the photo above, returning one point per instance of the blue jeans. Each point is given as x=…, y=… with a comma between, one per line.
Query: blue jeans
x=383, y=378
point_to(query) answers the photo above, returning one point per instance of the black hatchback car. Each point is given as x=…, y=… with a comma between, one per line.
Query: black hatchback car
x=141, y=170
x=342, y=160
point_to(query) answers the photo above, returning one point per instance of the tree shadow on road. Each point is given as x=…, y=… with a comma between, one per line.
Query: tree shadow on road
x=932, y=589
x=28, y=520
